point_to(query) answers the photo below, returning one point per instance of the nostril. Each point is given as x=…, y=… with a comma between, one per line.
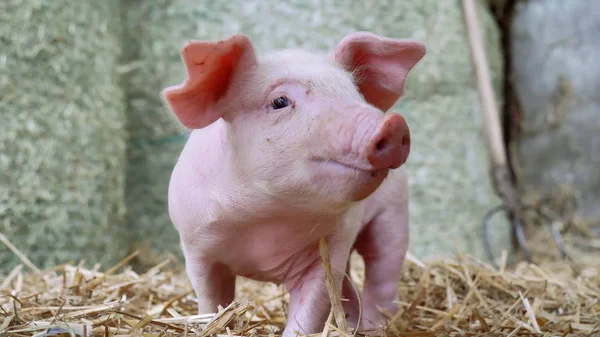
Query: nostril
x=405, y=141
x=390, y=144
x=382, y=144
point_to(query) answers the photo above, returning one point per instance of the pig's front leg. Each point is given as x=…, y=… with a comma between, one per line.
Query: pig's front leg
x=309, y=299
x=213, y=282
x=383, y=245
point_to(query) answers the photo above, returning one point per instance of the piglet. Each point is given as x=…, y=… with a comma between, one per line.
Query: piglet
x=287, y=148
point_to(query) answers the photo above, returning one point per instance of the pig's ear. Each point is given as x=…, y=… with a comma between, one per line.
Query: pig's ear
x=380, y=65
x=210, y=68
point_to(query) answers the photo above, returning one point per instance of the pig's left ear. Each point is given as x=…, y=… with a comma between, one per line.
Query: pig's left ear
x=380, y=65
x=211, y=67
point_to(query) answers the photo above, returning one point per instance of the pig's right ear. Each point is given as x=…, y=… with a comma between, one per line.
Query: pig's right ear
x=210, y=68
x=380, y=65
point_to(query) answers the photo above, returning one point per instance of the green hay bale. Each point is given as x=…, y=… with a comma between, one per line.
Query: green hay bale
x=156, y=140
x=62, y=146
x=450, y=186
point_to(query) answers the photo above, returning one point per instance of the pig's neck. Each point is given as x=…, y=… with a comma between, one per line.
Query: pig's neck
x=209, y=189
x=242, y=199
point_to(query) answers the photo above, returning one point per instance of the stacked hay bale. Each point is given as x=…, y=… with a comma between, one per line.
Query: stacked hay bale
x=448, y=166
x=62, y=144
x=556, y=78
x=152, y=40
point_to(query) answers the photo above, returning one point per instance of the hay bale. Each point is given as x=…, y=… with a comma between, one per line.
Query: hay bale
x=152, y=37
x=450, y=186
x=61, y=132
x=555, y=79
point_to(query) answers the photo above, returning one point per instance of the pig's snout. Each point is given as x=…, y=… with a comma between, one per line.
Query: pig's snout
x=390, y=145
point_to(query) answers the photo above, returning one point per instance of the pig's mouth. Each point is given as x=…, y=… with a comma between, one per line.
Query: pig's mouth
x=353, y=179
x=333, y=162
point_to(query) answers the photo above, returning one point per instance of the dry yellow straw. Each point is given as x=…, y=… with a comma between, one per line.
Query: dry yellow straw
x=334, y=297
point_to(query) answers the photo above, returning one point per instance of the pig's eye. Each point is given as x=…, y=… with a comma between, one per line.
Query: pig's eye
x=280, y=103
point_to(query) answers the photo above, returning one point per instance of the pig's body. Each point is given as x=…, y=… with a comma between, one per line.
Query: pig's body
x=288, y=149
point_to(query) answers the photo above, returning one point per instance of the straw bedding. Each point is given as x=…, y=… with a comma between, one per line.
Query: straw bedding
x=62, y=140
x=455, y=297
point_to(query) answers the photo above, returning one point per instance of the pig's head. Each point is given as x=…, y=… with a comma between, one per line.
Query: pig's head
x=308, y=128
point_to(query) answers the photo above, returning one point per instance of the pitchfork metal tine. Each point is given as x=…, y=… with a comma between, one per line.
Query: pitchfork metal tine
x=555, y=232
x=517, y=229
x=486, y=242
x=558, y=239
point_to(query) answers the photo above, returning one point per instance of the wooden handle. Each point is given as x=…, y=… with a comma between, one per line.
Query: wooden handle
x=491, y=120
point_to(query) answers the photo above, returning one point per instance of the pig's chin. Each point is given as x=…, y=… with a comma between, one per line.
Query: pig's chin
x=358, y=183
